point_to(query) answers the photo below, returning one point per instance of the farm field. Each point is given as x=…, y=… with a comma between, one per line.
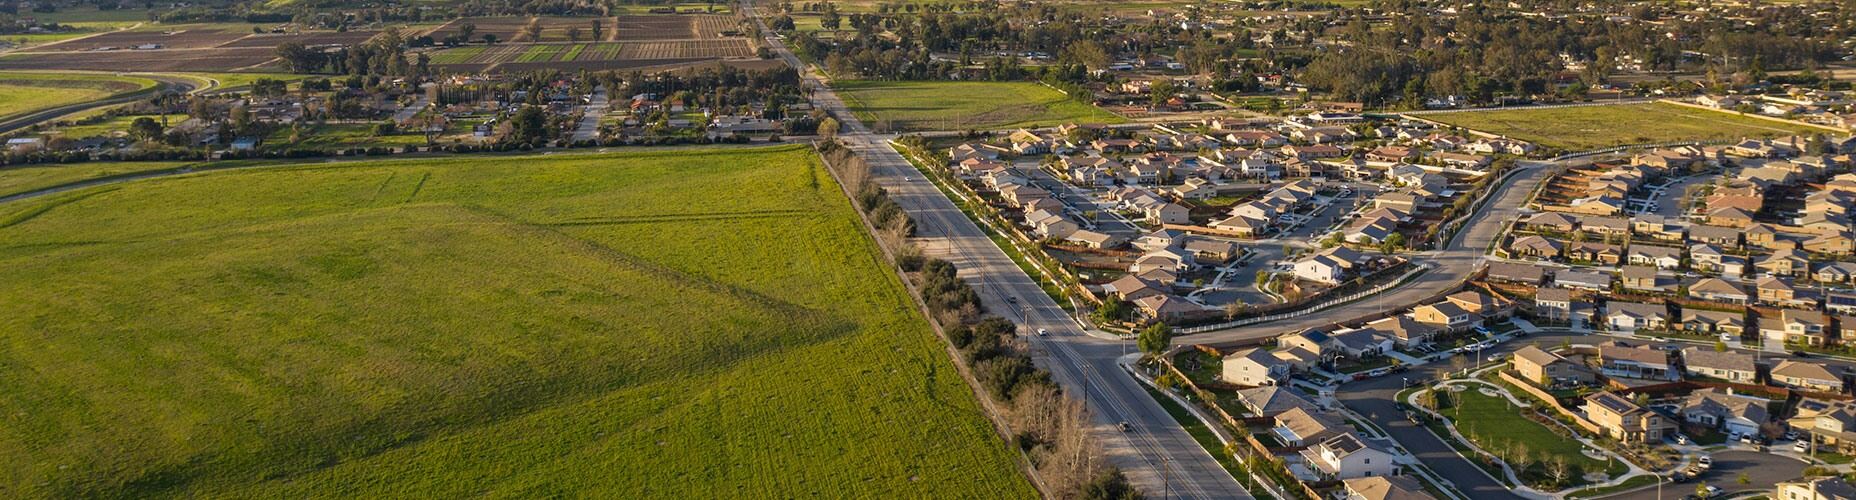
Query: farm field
x=213, y=60
x=905, y=106
x=1578, y=128
x=23, y=92
x=24, y=178
x=713, y=323
x=673, y=27
x=598, y=55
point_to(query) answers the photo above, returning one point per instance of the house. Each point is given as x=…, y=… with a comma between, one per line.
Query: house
x=1726, y=237
x=1713, y=322
x=1348, y=456
x=1167, y=213
x=1481, y=304
x=1617, y=359
x=1092, y=239
x=1270, y=401
x=1602, y=253
x=1166, y=308
x=1796, y=327
x=1534, y=246
x=1548, y=369
x=1212, y=251
x=1641, y=278
x=1384, y=488
x=1624, y=420
x=1553, y=303
x=1133, y=287
x=1729, y=366
x=1652, y=255
x=1253, y=367
x=1783, y=262
x=1159, y=240
x=1333, y=265
x=1818, y=488
x=1718, y=290
x=1588, y=280
x=1840, y=302
x=1806, y=375
x=1446, y=316
x=1512, y=272
x=1625, y=316
x=1552, y=221
x=1773, y=290
x=1724, y=410
x=1839, y=272
x=1403, y=330
x=1297, y=428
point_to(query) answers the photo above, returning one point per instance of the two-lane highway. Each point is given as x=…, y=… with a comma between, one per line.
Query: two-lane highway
x=1156, y=453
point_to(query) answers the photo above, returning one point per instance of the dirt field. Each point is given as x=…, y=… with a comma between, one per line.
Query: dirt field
x=310, y=39
x=198, y=38
x=509, y=29
x=674, y=27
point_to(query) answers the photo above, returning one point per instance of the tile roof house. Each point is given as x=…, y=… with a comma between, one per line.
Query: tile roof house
x=1298, y=427
x=1445, y=315
x=1617, y=359
x=1719, y=290
x=1724, y=410
x=1729, y=366
x=1624, y=420
x=1818, y=488
x=1253, y=367
x=1717, y=322
x=1513, y=272
x=1806, y=375
x=1582, y=279
x=1535, y=246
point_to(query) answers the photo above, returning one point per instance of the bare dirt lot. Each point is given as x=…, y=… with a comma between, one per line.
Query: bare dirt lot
x=310, y=39
x=674, y=27
x=685, y=49
x=222, y=59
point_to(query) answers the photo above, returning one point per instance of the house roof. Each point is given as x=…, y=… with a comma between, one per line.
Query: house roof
x=1306, y=426
x=1636, y=309
x=1803, y=370
x=1386, y=488
x=1696, y=357
x=1553, y=295
x=1716, y=402
x=1513, y=271
x=1715, y=286
x=1537, y=356
x=1270, y=400
x=1639, y=355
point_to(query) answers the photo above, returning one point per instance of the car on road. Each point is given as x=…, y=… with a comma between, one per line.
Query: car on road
x=1042, y=332
x=1482, y=330
x=1125, y=426
x=1802, y=447
x=1680, y=438
x=1712, y=491
x=1012, y=300
x=1801, y=354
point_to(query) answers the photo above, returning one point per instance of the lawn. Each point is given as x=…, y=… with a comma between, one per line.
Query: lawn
x=1579, y=128
x=914, y=106
x=24, y=92
x=676, y=324
x=1496, y=425
x=23, y=178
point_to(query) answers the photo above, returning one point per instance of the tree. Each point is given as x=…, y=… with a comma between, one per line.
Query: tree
x=1701, y=489
x=532, y=30
x=529, y=124
x=573, y=34
x=489, y=39
x=828, y=127
x=1393, y=243
x=1110, y=485
x=299, y=57
x=465, y=30
x=1088, y=53
x=145, y=128
x=1720, y=346
x=1156, y=338
x=599, y=30
x=1161, y=91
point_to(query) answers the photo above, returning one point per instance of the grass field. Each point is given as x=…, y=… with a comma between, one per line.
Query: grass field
x=677, y=324
x=341, y=136
x=1496, y=425
x=109, y=127
x=1578, y=128
x=23, y=178
x=910, y=106
x=24, y=92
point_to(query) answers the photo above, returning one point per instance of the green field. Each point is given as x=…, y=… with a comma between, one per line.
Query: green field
x=109, y=127
x=23, y=178
x=909, y=106
x=1496, y=425
x=1579, y=128
x=540, y=53
x=675, y=324
x=24, y=92
x=457, y=55
x=337, y=136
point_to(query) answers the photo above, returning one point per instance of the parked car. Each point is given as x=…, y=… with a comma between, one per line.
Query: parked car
x=1705, y=461
x=1713, y=491
x=1042, y=332
x=1801, y=354
x=1680, y=438
x=1802, y=447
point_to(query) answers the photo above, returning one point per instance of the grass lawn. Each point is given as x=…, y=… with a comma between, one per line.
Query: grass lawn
x=1579, y=128
x=1496, y=425
x=337, y=136
x=911, y=106
x=673, y=324
x=23, y=178
x=23, y=92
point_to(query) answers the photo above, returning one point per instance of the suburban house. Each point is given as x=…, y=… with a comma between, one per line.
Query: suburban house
x=1718, y=290
x=1624, y=420
x=1796, y=327
x=1513, y=272
x=1729, y=366
x=1582, y=279
x=1548, y=369
x=1553, y=303
x=1384, y=488
x=1333, y=265
x=1253, y=367
x=1312, y=340
x=1641, y=278
x=1446, y=316
x=1270, y=401
x=1819, y=488
x=1716, y=409
x=1617, y=359
x=1806, y=375
x=1347, y=456
x=1717, y=322
x=1626, y=316
x=1403, y=329
x=1298, y=428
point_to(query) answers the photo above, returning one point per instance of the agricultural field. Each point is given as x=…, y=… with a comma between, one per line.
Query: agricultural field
x=910, y=106
x=674, y=27
x=111, y=127
x=510, y=29
x=214, y=60
x=186, y=36
x=24, y=92
x=26, y=178
x=599, y=55
x=712, y=323
x=1579, y=128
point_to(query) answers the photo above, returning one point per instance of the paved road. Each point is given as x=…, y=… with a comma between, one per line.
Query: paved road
x=410, y=110
x=595, y=108
x=1458, y=260
x=1158, y=456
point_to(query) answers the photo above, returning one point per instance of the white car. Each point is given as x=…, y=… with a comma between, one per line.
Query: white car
x=1802, y=447
x=1705, y=461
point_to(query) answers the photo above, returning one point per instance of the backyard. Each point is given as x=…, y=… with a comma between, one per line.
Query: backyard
x=1578, y=128
x=712, y=323
x=916, y=106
